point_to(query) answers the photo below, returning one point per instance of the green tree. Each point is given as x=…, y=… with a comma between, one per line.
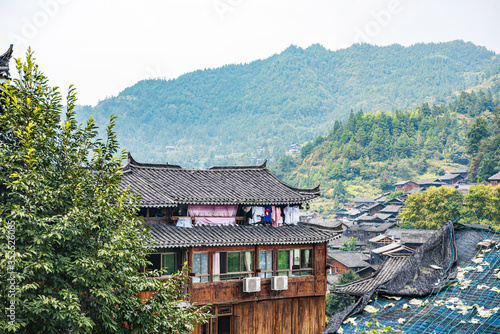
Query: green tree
x=78, y=243
x=482, y=205
x=349, y=245
x=431, y=208
x=338, y=302
x=477, y=132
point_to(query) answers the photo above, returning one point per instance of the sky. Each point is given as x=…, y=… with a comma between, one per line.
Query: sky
x=104, y=46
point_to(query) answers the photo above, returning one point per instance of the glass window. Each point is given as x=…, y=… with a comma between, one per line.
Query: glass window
x=301, y=262
x=235, y=265
x=166, y=263
x=266, y=263
x=200, y=267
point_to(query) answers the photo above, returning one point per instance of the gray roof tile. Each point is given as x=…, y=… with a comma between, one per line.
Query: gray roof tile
x=161, y=185
x=172, y=236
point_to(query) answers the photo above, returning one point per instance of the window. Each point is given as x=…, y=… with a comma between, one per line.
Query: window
x=166, y=263
x=295, y=262
x=266, y=263
x=235, y=265
x=200, y=267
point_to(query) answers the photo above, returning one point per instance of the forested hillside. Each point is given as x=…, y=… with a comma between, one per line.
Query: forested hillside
x=370, y=152
x=231, y=114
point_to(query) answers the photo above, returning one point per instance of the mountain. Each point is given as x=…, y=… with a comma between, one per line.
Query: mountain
x=238, y=112
x=370, y=152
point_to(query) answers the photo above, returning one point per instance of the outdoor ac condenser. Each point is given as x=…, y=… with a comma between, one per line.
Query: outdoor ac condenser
x=251, y=284
x=279, y=283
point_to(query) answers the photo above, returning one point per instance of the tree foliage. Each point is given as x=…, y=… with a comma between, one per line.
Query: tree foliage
x=349, y=245
x=432, y=208
x=77, y=246
x=292, y=97
x=338, y=302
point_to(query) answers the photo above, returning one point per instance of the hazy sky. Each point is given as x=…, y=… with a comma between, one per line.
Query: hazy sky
x=104, y=46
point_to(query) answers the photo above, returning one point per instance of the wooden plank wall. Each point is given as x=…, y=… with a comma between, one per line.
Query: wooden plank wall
x=284, y=316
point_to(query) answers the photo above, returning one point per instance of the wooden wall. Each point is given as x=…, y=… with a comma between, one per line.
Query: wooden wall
x=232, y=291
x=304, y=315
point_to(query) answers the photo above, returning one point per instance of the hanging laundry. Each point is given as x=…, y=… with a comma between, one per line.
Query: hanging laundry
x=276, y=216
x=212, y=210
x=268, y=210
x=257, y=213
x=292, y=214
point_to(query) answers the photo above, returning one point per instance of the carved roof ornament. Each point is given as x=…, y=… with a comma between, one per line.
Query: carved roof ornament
x=4, y=63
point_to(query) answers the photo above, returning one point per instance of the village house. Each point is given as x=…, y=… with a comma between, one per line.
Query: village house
x=339, y=262
x=237, y=229
x=405, y=186
x=495, y=179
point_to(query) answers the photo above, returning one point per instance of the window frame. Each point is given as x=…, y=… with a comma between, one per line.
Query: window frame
x=266, y=273
x=201, y=277
x=296, y=272
x=176, y=262
x=235, y=275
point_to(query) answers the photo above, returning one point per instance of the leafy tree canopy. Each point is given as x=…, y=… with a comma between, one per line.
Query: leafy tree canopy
x=70, y=242
x=338, y=302
x=349, y=245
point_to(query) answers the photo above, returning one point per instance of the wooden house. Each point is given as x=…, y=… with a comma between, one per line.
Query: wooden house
x=340, y=261
x=405, y=186
x=495, y=179
x=259, y=276
x=451, y=178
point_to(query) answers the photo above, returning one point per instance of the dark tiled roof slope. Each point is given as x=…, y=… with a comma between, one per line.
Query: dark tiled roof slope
x=387, y=270
x=350, y=259
x=169, y=185
x=198, y=236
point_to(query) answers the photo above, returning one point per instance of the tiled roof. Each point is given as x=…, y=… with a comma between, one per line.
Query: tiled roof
x=350, y=259
x=161, y=185
x=401, y=183
x=386, y=248
x=363, y=200
x=391, y=209
x=372, y=227
x=450, y=177
x=172, y=236
x=459, y=170
x=387, y=270
x=378, y=238
x=495, y=177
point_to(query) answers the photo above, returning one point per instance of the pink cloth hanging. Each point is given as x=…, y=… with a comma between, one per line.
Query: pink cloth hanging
x=214, y=221
x=291, y=259
x=195, y=210
x=276, y=215
x=216, y=264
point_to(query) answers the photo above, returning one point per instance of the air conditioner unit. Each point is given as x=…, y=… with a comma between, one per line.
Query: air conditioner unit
x=251, y=284
x=279, y=283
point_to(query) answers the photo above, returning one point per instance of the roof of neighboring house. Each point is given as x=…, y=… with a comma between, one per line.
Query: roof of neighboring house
x=396, y=233
x=391, y=209
x=350, y=259
x=378, y=238
x=368, y=218
x=432, y=182
x=415, y=190
x=386, y=248
x=402, y=183
x=467, y=302
x=459, y=170
x=363, y=200
x=162, y=185
x=372, y=227
x=450, y=177
x=324, y=224
x=387, y=270
x=172, y=236
x=495, y=177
